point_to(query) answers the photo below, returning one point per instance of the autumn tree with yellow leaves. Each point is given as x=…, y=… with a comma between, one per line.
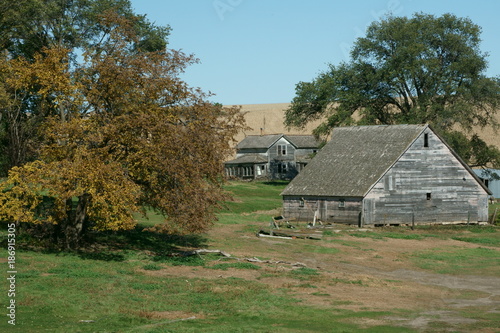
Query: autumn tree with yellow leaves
x=121, y=132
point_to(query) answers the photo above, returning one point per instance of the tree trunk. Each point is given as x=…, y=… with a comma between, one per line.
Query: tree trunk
x=16, y=145
x=76, y=219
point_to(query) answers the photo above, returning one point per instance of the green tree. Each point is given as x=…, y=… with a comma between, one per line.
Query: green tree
x=423, y=69
x=30, y=25
x=27, y=27
x=129, y=133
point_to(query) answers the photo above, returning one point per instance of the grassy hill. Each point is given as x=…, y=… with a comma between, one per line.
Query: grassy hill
x=268, y=119
x=431, y=279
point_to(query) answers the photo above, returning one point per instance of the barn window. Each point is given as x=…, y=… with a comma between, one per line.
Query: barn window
x=429, y=196
x=426, y=140
x=282, y=150
x=341, y=203
x=389, y=183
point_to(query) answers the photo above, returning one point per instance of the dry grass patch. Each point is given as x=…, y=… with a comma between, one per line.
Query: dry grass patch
x=172, y=315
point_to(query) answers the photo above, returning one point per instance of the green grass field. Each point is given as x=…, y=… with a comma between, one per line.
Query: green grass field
x=129, y=282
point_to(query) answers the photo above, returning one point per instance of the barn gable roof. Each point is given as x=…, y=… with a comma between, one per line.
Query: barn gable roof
x=353, y=160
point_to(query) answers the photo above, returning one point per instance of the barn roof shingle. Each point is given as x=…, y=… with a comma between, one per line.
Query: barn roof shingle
x=353, y=160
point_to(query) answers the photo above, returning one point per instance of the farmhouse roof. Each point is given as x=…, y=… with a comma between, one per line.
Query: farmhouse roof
x=302, y=141
x=266, y=141
x=353, y=160
x=248, y=159
x=258, y=141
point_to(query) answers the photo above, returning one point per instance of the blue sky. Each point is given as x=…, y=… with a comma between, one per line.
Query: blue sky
x=256, y=51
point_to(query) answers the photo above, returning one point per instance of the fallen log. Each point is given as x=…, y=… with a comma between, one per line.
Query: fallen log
x=289, y=234
x=203, y=251
x=272, y=236
x=254, y=259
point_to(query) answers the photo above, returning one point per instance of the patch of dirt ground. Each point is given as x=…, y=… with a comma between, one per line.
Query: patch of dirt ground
x=355, y=274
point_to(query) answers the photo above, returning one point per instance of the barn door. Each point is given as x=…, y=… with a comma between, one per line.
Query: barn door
x=322, y=210
x=482, y=211
x=368, y=211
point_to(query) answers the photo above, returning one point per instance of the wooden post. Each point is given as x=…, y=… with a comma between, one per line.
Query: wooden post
x=413, y=220
x=360, y=220
x=494, y=216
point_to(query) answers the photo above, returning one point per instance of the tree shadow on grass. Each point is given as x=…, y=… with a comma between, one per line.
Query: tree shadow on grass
x=113, y=246
x=102, y=255
x=276, y=182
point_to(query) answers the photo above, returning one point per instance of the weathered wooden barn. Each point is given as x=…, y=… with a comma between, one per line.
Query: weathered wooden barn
x=398, y=174
x=276, y=156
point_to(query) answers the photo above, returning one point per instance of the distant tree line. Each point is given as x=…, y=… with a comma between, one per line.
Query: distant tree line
x=422, y=69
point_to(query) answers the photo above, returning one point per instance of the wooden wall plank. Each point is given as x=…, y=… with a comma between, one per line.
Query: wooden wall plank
x=401, y=194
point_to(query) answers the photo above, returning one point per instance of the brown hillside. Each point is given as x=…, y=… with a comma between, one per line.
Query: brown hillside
x=268, y=119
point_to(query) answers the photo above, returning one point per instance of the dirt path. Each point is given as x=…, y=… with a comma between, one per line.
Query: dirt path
x=365, y=274
x=490, y=285
x=487, y=287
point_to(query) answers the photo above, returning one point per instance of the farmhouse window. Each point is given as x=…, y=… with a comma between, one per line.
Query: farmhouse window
x=341, y=203
x=426, y=140
x=282, y=150
x=301, y=203
x=429, y=196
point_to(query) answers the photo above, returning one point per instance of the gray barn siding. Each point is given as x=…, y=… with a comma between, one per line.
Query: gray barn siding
x=327, y=207
x=400, y=196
